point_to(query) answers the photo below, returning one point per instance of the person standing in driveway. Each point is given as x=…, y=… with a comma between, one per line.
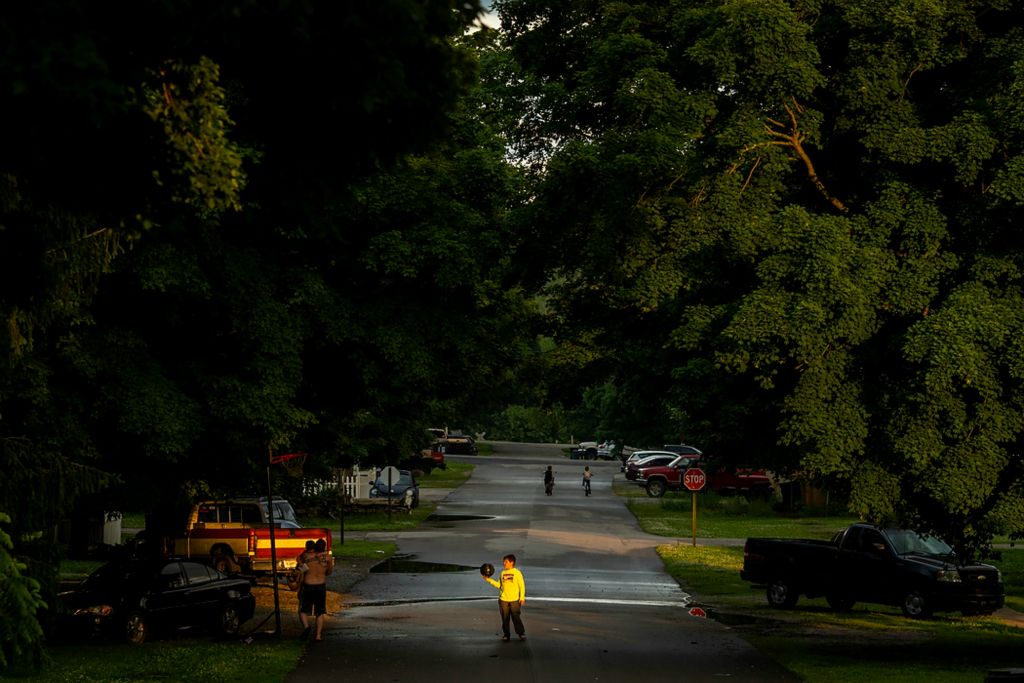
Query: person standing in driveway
x=587, y=475
x=511, y=597
x=549, y=480
x=314, y=589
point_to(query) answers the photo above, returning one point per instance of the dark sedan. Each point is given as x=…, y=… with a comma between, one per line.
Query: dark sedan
x=132, y=599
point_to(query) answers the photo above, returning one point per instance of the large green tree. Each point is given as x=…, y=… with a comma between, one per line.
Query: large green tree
x=796, y=222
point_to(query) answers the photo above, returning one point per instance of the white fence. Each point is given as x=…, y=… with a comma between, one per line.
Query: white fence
x=355, y=483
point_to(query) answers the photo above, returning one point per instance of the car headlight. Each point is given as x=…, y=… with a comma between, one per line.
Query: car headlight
x=95, y=611
x=949, y=576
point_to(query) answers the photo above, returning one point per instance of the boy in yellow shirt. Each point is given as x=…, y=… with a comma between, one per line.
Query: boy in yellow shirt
x=511, y=597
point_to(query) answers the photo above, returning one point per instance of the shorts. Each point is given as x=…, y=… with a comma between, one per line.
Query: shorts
x=314, y=599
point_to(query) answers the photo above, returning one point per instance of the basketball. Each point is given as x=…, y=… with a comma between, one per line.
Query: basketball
x=486, y=569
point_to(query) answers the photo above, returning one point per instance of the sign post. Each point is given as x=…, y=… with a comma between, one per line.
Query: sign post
x=275, y=460
x=391, y=475
x=694, y=480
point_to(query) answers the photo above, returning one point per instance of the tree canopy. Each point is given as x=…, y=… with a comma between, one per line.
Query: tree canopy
x=787, y=228
x=783, y=230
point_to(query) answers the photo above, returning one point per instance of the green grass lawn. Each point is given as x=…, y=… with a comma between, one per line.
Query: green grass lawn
x=452, y=476
x=728, y=518
x=188, y=660
x=870, y=643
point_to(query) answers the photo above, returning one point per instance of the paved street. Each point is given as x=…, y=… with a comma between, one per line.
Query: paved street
x=599, y=606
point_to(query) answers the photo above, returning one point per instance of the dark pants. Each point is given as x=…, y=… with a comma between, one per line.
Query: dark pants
x=511, y=610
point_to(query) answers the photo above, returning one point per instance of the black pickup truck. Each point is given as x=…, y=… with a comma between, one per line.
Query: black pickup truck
x=866, y=563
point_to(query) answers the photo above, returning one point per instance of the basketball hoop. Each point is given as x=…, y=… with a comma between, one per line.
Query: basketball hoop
x=292, y=463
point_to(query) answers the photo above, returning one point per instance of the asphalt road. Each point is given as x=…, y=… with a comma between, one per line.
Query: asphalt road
x=599, y=606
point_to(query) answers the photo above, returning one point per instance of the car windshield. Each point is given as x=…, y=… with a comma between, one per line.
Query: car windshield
x=404, y=479
x=106, y=576
x=907, y=541
x=116, y=576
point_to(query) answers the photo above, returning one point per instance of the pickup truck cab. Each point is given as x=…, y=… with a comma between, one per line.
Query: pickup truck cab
x=866, y=563
x=454, y=443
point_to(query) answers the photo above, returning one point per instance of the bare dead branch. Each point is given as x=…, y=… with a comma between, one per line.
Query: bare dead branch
x=750, y=175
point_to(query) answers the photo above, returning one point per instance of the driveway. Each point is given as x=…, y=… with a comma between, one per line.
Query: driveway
x=599, y=605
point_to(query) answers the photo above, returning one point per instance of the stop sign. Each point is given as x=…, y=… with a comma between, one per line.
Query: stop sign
x=693, y=479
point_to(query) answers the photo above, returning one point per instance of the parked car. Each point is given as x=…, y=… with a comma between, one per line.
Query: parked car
x=741, y=482
x=607, y=450
x=680, y=449
x=454, y=442
x=646, y=459
x=405, y=489
x=865, y=563
x=134, y=599
x=426, y=460
x=584, y=451
x=636, y=456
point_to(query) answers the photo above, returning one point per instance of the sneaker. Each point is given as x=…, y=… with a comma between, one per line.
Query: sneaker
x=522, y=636
x=505, y=638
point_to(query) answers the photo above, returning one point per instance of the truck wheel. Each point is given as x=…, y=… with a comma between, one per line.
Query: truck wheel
x=656, y=488
x=839, y=602
x=781, y=593
x=916, y=604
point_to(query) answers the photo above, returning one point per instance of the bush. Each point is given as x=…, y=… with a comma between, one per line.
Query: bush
x=20, y=632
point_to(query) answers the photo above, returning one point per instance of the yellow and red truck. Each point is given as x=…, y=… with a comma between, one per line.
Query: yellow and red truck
x=235, y=535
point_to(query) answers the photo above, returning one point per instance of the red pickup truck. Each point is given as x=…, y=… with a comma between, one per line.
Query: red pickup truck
x=660, y=478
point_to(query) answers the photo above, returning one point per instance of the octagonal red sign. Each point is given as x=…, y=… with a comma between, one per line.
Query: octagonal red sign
x=694, y=479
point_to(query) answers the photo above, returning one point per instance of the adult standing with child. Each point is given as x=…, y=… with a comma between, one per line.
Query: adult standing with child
x=314, y=590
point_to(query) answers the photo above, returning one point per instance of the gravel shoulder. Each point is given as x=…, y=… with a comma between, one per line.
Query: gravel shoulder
x=347, y=573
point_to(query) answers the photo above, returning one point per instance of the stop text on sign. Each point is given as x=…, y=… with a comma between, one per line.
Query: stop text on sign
x=694, y=479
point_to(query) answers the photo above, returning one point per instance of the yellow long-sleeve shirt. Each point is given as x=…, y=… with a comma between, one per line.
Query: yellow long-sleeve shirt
x=512, y=586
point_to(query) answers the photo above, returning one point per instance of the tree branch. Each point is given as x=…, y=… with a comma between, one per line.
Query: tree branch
x=794, y=139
